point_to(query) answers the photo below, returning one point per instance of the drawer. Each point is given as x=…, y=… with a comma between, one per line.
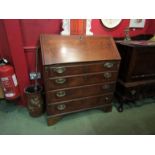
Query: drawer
x=74, y=69
x=80, y=80
x=78, y=92
x=79, y=105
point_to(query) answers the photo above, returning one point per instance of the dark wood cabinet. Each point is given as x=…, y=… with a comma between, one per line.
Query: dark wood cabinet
x=137, y=72
x=80, y=73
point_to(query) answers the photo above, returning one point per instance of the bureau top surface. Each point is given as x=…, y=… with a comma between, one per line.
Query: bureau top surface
x=58, y=49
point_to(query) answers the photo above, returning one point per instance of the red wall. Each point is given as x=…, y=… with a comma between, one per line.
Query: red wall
x=4, y=48
x=30, y=29
x=99, y=29
x=151, y=26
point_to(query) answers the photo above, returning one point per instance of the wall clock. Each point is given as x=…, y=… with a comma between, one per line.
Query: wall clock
x=111, y=23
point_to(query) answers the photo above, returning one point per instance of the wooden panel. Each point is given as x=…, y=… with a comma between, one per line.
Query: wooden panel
x=77, y=26
x=71, y=49
x=145, y=58
x=137, y=62
x=76, y=105
x=81, y=68
x=78, y=92
x=126, y=53
x=79, y=80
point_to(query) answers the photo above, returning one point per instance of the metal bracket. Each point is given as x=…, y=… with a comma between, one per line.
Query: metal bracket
x=34, y=75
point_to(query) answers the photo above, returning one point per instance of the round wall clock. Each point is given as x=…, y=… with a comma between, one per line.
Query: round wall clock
x=111, y=23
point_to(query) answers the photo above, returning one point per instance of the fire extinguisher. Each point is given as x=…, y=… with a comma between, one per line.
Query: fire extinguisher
x=8, y=80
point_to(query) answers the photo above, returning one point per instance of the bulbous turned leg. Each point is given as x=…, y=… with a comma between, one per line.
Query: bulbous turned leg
x=122, y=100
x=53, y=120
x=120, y=108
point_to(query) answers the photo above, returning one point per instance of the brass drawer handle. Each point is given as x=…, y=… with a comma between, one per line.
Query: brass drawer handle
x=109, y=64
x=61, y=106
x=61, y=94
x=59, y=70
x=107, y=75
x=60, y=81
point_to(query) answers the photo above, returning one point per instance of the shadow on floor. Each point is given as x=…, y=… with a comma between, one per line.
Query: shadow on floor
x=139, y=119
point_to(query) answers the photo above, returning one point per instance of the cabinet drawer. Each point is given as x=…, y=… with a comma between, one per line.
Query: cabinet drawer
x=78, y=105
x=80, y=80
x=74, y=69
x=78, y=92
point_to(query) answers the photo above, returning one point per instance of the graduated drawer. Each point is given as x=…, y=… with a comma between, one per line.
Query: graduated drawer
x=78, y=92
x=79, y=104
x=80, y=68
x=79, y=80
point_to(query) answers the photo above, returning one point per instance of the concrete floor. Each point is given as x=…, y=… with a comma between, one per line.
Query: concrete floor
x=134, y=120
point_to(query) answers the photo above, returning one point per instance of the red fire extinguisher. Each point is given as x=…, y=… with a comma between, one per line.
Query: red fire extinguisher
x=8, y=80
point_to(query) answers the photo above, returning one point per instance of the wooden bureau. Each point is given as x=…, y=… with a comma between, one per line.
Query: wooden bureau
x=79, y=73
x=136, y=78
